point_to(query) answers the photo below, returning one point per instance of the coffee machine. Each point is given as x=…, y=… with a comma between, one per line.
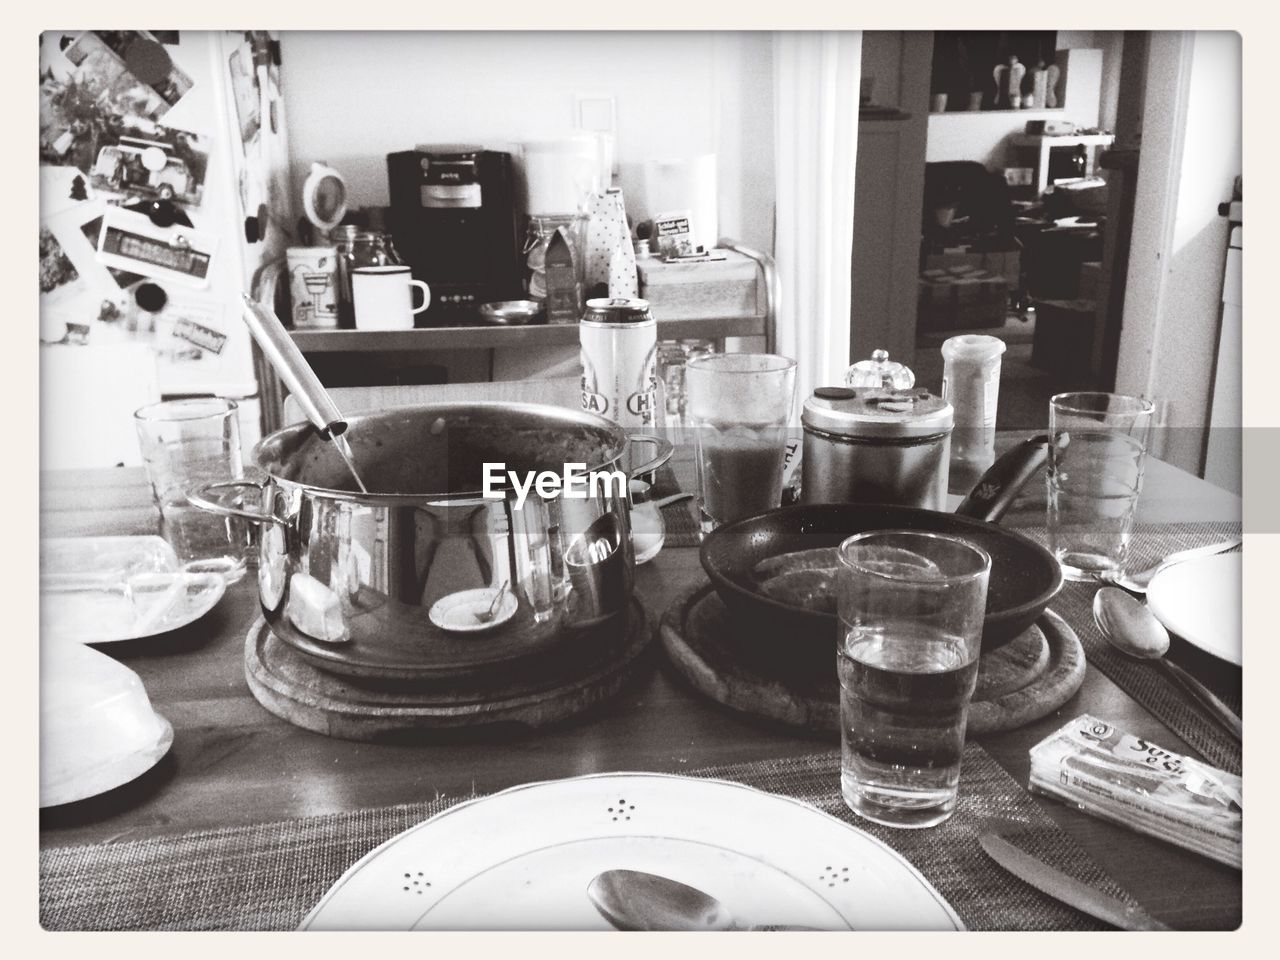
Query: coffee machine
x=453, y=220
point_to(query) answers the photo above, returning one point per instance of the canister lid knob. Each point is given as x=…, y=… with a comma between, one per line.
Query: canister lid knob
x=880, y=372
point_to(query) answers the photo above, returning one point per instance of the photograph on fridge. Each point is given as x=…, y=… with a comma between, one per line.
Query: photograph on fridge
x=138, y=159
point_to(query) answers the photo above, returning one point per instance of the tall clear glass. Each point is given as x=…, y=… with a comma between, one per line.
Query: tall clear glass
x=738, y=407
x=911, y=608
x=1095, y=477
x=185, y=445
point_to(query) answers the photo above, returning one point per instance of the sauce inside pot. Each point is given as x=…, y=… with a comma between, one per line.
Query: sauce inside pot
x=440, y=449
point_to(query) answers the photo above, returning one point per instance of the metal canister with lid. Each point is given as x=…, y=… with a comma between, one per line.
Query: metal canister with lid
x=619, y=341
x=876, y=445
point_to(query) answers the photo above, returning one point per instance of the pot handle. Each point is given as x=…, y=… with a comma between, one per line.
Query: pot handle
x=206, y=498
x=665, y=449
x=999, y=486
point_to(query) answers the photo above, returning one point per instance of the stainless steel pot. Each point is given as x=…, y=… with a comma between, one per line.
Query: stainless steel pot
x=423, y=577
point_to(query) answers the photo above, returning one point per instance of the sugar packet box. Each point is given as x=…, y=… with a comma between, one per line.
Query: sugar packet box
x=1114, y=775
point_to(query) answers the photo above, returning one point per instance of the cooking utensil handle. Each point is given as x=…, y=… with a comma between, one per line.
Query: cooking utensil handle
x=1000, y=485
x=665, y=449
x=287, y=360
x=206, y=498
x=1220, y=711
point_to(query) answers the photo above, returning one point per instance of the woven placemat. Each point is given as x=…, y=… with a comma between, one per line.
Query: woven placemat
x=268, y=876
x=680, y=519
x=1142, y=681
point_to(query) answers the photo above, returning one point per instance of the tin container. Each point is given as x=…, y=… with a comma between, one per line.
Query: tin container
x=867, y=445
x=619, y=341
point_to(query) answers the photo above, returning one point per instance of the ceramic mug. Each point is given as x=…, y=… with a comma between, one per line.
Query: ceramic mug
x=313, y=284
x=383, y=297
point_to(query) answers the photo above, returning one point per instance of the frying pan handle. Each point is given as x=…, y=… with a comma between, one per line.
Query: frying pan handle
x=993, y=494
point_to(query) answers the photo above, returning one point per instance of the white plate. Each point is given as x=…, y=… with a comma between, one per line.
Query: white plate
x=90, y=609
x=460, y=612
x=522, y=859
x=1200, y=601
x=98, y=730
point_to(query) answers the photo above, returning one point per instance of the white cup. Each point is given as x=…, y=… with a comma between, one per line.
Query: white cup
x=383, y=297
x=313, y=283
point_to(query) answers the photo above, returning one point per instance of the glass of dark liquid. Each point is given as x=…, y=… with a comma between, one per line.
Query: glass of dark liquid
x=738, y=406
x=911, y=609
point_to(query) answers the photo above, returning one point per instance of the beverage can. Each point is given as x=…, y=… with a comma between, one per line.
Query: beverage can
x=619, y=341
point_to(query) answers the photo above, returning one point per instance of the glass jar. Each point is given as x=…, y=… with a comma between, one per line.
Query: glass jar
x=540, y=231
x=358, y=247
x=673, y=357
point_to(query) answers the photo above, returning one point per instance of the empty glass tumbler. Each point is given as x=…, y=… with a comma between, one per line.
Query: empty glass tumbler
x=1095, y=471
x=187, y=444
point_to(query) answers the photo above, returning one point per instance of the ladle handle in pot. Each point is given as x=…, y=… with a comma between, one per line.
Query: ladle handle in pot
x=1000, y=485
x=206, y=498
x=287, y=360
x=665, y=449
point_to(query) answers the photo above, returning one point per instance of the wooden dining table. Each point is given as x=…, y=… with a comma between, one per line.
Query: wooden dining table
x=232, y=763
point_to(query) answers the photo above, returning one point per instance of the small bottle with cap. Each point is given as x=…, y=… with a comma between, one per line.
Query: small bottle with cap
x=971, y=384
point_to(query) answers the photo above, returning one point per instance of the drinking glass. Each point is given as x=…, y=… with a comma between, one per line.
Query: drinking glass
x=1094, y=478
x=911, y=609
x=187, y=444
x=738, y=406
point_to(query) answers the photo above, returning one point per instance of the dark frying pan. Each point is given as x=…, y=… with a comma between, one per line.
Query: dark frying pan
x=1024, y=575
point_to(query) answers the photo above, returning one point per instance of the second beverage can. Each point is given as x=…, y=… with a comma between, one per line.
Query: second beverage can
x=619, y=341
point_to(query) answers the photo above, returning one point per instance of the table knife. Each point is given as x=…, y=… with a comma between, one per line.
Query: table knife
x=1070, y=891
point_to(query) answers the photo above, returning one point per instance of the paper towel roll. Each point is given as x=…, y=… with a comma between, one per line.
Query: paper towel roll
x=561, y=174
x=687, y=184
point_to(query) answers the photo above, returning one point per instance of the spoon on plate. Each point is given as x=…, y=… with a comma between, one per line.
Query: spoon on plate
x=634, y=900
x=1131, y=628
x=486, y=616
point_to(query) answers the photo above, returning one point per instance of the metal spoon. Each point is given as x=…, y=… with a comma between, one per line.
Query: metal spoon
x=633, y=900
x=673, y=498
x=487, y=615
x=1132, y=629
x=1138, y=581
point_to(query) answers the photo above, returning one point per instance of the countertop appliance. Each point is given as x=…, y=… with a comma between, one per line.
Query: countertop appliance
x=453, y=221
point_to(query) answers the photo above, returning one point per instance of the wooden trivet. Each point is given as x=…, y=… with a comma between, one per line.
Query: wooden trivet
x=536, y=692
x=1027, y=678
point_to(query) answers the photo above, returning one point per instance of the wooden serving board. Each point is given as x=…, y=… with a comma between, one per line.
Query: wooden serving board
x=533, y=693
x=1027, y=678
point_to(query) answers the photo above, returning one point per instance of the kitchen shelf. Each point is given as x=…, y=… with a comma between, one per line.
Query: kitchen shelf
x=503, y=338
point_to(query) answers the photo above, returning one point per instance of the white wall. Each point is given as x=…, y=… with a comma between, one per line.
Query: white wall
x=1191, y=153
x=352, y=98
x=1090, y=99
